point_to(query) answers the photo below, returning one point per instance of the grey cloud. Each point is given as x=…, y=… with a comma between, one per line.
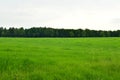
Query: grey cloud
x=116, y=20
x=43, y=11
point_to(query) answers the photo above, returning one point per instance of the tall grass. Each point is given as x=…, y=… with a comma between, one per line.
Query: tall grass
x=59, y=59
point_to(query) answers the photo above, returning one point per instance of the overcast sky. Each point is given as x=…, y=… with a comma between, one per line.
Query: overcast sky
x=91, y=14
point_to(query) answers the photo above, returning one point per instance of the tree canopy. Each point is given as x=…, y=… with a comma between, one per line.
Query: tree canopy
x=51, y=32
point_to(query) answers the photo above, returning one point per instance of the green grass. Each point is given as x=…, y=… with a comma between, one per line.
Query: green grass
x=59, y=58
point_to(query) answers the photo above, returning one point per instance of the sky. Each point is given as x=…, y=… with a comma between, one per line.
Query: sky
x=68, y=14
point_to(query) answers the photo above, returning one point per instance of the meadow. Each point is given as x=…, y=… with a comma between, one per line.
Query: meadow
x=59, y=58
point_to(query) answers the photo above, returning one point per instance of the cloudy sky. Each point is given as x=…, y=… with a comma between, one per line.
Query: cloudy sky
x=92, y=14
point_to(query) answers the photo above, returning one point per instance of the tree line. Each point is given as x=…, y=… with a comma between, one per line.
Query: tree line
x=51, y=32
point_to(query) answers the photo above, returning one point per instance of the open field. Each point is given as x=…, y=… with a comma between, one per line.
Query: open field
x=59, y=58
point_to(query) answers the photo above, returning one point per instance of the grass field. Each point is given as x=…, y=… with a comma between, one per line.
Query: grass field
x=59, y=58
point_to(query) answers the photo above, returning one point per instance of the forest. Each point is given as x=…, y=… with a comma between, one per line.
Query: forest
x=52, y=32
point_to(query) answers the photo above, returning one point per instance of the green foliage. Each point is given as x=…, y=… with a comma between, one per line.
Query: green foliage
x=59, y=59
x=50, y=32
